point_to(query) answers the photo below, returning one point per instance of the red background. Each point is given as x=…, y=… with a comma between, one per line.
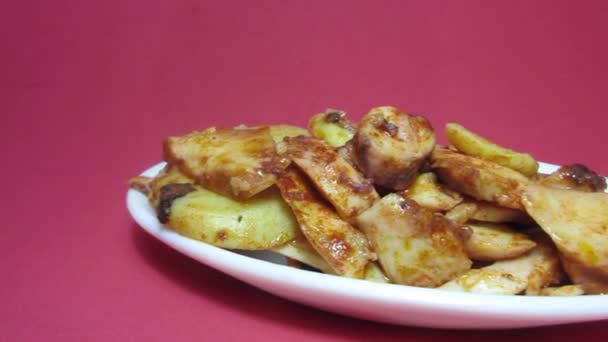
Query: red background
x=89, y=89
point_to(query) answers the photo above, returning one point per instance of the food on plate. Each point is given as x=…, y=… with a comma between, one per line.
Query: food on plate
x=577, y=222
x=529, y=272
x=380, y=201
x=341, y=184
x=414, y=245
x=341, y=245
x=478, y=178
x=429, y=193
x=392, y=146
x=574, y=177
x=496, y=241
x=333, y=127
x=238, y=162
x=474, y=145
x=201, y=214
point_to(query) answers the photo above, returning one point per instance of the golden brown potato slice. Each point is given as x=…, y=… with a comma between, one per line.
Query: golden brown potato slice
x=261, y=222
x=495, y=241
x=237, y=162
x=278, y=132
x=531, y=271
x=301, y=250
x=427, y=192
x=337, y=180
x=391, y=146
x=577, y=222
x=472, y=144
x=490, y=212
x=373, y=272
x=462, y=212
x=575, y=177
x=414, y=245
x=479, y=178
x=564, y=290
x=341, y=245
x=333, y=127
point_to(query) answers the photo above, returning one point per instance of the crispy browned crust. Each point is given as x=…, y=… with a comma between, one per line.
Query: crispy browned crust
x=343, y=186
x=238, y=162
x=576, y=177
x=344, y=247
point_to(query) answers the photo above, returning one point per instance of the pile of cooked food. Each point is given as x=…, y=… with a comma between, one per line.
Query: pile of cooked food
x=381, y=200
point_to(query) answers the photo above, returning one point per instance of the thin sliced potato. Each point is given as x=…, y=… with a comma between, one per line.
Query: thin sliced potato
x=531, y=271
x=341, y=245
x=490, y=212
x=278, y=132
x=427, y=192
x=262, y=222
x=494, y=241
x=415, y=246
x=481, y=179
x=237, y=162
x=564, y=290
x=577, y=222
x=300, y=249
x=474, y=145
x=462, y=212
x=333, y=127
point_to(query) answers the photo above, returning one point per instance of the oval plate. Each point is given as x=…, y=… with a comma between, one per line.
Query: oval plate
x=388, y=303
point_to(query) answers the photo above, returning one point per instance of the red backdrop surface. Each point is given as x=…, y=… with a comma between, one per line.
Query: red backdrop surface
x=90, y=88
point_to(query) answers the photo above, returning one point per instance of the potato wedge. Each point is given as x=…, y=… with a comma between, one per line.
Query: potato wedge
x=494, y=241
x=533, y=270
x=237, y=162
x=333, y=127
x=577, y=222
x=343, y=186
x=342, y=246
x=414, y=245
x=427, y=192
x=472, y=144
x=481, y=179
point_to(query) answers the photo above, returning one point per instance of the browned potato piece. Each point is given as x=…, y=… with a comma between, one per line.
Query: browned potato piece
x=341, y=245
x=494, y=241
x=333, y=127
x=564, y=290
x=237, y=162
x=462, y=212
x=427, y=192
x=337, y=180
x=490, y=212
x=575, y=177
x=474, y=145
x=479, y=178
x=301, y=250
x=391, y=146
x=414, y=245
x=577, y=222
x=278, y=132
x=529, y=272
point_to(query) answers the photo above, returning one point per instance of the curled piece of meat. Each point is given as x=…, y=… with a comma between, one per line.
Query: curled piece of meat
x=391, y=146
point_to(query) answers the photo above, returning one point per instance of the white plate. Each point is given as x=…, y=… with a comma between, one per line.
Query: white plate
x=397, y=304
